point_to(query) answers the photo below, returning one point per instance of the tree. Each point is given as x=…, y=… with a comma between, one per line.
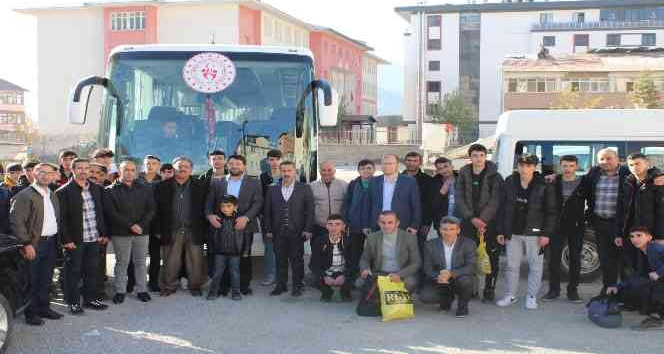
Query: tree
x=572, y=99
x=457, y=112
x=644, y=94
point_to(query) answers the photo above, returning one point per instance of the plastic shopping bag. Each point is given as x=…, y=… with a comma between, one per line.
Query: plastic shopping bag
x=395, y=300
x=483, y=261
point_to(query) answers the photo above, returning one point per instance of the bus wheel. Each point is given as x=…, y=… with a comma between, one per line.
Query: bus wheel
x=590, y=265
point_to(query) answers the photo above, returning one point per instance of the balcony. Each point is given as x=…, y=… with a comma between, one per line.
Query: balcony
x=598, y=25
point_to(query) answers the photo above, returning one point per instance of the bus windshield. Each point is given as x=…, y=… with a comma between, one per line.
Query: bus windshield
x=165, y=117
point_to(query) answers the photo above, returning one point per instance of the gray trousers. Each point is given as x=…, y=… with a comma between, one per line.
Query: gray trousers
x=133, y=248
x=515, y=248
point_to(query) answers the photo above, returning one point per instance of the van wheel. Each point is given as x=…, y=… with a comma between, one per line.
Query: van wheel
x=590, y=265
x=6, y=322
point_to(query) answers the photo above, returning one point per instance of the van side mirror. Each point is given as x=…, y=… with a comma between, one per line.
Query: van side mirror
x=79, y=97
x=328, y=103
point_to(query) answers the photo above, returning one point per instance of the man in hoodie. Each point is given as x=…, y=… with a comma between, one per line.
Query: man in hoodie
x=527, y=220
x=479, y=192
x=570, y=227
x=643, y=205
x=357, y=209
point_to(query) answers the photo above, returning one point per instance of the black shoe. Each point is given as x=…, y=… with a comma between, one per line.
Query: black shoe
x=326, y=294
x=444, y=307
x=95, y=305
x=118, y=298
x=297, y=292
x=223, y=292
x=246, y=291
x=346, y=296
x=573, y=296
x=51, y=315
x=196, y=292
x=34, y=320
x=144, y=297
x=236, y=296
x=75, y=309
x=551, y=295
x=489, y=296
x=211, y=296
x=102, y=297
x=280, y=289
x=153, y=288
x=130, y=289
x=462, y=311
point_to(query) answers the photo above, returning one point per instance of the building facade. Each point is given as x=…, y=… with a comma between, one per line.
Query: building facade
x=12, y=121
x=598, y=80
x=94, y=29
x=461, y=47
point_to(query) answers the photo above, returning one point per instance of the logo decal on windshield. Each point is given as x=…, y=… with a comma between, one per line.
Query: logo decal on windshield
x=209, y=72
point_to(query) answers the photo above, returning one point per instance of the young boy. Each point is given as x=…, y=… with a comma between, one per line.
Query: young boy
x=644, y=289
x=333, y=260
x=227, y=245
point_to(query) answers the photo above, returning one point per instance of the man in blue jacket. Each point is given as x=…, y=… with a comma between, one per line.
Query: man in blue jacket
x=357, y=208
x=396, y=192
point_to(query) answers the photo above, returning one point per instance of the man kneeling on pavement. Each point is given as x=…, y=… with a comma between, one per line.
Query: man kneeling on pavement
x=333, y=261
x=390, y=251
x=644, y=289
x=449, y=265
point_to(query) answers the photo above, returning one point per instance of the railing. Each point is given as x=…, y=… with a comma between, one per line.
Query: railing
x=606, y=25
x=347, y=137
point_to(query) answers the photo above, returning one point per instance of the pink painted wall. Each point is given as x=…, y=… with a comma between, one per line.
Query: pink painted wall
x=115, y=38
x=250, y=26
x=331, y=51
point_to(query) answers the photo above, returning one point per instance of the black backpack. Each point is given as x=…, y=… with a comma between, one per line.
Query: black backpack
x=369, y=304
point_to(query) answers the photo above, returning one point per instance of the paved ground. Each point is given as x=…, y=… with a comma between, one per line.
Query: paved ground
x=261, y=324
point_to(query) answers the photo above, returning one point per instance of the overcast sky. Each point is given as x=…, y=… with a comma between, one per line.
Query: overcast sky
x=373, y=21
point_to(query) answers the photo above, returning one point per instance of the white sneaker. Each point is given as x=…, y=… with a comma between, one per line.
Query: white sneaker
x=531, y=303
x=507, y=301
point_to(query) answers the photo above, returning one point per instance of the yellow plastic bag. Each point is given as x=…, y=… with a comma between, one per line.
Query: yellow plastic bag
x=395, y=300
x=483, y=261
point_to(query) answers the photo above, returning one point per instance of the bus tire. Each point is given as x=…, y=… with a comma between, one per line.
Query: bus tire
x=590, y=265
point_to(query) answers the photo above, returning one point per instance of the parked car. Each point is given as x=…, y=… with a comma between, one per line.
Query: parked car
x=13, y=286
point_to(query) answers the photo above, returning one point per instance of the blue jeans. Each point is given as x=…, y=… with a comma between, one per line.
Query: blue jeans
x=220, y=263
x=270, y=261
x=41, y=275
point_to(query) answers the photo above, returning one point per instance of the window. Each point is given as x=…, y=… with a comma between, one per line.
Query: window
x=128, y=21
x=433, y=86
x=550, y=152
x=629, y=86
x=433, y=96
x=512, y=85
x=587, y=85
x=581, y=40
x=434, y=65
x=612, y=40
x=649, y=39
x=579, y=17
x=546, y=17
x=434, y=32
x=549, y=41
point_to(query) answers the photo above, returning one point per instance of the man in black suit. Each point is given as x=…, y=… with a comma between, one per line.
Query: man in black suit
x=248, y=191
x=181, y=227
x=289, y=219
x=449, y=264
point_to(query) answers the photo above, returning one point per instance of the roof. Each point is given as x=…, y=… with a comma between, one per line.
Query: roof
x=358, y=119
x=8, y=86
x=588, y=63
x=390, y=121
x=405, y=11
x=334, y=32
x=211, y=48
x=378, y=59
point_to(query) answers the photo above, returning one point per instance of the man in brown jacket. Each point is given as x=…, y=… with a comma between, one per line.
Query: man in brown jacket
x=34, y=219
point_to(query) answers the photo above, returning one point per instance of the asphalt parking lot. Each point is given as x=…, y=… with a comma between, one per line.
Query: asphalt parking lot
x=263, y=324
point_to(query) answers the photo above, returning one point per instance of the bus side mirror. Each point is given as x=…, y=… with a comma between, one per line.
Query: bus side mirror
x=328, y=104
x=79, y=97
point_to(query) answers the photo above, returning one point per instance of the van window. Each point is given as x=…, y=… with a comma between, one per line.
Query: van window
x=550, y=152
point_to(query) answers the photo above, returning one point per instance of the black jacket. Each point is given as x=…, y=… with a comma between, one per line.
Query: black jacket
x=71, y=210
x=323, y=249
x=541, y=218
x=424, y=184
x=571, y=213
x=491, y=193
x=128, y=205
x=643, y=205
x=227, y=240
x=301, y=209
x=164, y=192
x=249, y=201
x=5, y=197
x=589, y=182
x=439, y=203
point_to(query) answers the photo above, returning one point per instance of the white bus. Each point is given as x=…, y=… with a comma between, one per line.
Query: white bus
x=550, y=134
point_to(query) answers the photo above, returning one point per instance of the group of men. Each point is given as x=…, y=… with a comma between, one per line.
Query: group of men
x=374, y=225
